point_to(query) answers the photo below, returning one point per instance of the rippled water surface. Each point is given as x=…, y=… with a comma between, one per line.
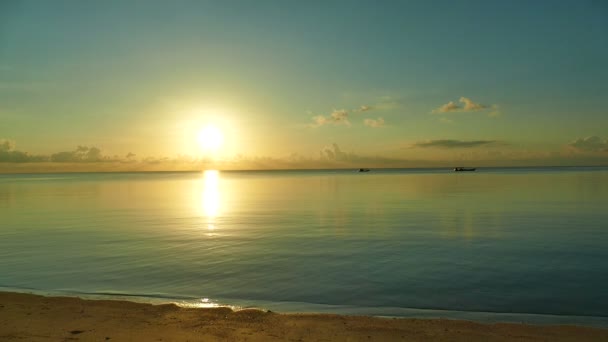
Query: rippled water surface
x=387, y=242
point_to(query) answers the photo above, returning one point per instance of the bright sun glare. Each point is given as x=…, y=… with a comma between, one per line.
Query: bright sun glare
x=210, y=138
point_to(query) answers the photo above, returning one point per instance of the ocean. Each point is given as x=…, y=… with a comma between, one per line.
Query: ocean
x=498, y=244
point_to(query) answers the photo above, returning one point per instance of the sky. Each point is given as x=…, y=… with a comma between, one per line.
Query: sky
x=134, y=85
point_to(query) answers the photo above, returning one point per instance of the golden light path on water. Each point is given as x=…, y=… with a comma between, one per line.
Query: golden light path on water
x=210, y=208
x=211, y=198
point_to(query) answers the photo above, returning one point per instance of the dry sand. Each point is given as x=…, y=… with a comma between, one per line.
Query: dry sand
x=26, y=317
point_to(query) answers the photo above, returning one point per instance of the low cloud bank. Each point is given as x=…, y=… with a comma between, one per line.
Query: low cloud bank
x=82, y=154
x=8, y=154
x=432, y=153
x=589, y=144
x=450, y=143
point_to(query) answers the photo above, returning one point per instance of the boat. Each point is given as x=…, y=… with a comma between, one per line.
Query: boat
x=363, y=170
x=464, y=169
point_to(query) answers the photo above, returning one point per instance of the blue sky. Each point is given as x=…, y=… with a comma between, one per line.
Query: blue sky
x=286, y=80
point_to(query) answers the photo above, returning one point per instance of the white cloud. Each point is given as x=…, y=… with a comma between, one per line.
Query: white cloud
x=337, y=117
x=375, y=123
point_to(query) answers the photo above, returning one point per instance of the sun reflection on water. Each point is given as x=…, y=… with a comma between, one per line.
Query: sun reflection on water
x=204, y=303
x=211, y=198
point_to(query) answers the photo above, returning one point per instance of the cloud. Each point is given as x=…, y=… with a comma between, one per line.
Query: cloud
x=81, y=154
x=470, y=106
x=495, y=112
x=590, y=144
x=448, y=107
x=375, y=123
x=331, y=156
x=333, y=153
x=9, y=155
x=388, y=103
x=467, y=106
x=341, y=116
x=6, y=145
x=450, y=143
x=363, y=108
x=337, y=117
x=446, y=121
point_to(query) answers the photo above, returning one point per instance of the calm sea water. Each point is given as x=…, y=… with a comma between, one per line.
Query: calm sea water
x=502, y=244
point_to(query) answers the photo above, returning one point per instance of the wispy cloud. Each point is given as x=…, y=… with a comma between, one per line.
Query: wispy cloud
x=495, y=112
x=448, y=107
x=333, y=155
x=446, y=121
x=374, y=123
x=467, y=105
x=337, y=117
x=450, y=143
x=363, y=108
x=341, y=116
x=589, y=144
x=388, y=103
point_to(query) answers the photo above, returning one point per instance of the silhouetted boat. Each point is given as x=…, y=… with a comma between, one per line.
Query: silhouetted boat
x=463, y=169
x=363, y=170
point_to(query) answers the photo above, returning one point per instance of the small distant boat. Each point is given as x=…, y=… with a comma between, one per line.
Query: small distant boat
x=363, y=170
x=464, y=169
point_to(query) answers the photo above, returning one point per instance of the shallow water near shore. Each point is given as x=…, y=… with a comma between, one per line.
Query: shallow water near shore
x=507, y=244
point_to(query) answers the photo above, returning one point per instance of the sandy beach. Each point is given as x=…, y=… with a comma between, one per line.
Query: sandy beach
x=27, y=317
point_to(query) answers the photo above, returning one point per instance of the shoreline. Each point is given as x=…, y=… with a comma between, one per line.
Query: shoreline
x=33, y=317
x=483, y=317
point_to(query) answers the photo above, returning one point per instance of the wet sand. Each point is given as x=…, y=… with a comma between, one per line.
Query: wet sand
x=26, y=317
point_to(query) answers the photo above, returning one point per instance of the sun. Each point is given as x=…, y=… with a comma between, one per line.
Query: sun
x=210, y=138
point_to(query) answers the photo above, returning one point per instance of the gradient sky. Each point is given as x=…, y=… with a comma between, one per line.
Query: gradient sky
x=388, y=83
